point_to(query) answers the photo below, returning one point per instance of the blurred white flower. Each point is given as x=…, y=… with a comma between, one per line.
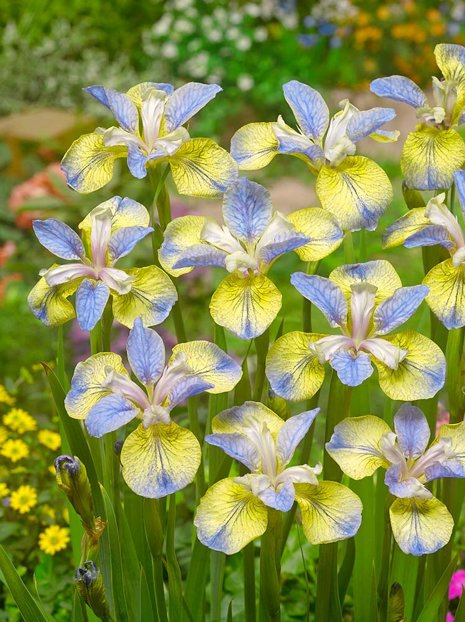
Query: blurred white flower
x=260, y=34
x=194, y=45
x=252, y=9
x=197, y=66
x=214, y=35
x=245, y=82
x=243, y=44
x=214, y=79
x=233, y=33
x=169, y=50
x=181, y=5
x=162, y=26
x=235, y=17
x=184, y=26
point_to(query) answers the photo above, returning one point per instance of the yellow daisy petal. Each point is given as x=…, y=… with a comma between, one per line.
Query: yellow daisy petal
x=446, y=296
x=180, y=234
x=322, y=229
x=411, y=222
x=23, y=499
x=254, y=146
x=379, y=273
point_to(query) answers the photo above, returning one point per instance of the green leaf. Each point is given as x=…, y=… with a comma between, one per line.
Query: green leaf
x=230, y=613
x=460, y=613
x=434, y=601
x=196, y=580
x=172, y=566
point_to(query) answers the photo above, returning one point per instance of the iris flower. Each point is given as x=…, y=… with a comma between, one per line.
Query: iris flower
x=435, y=150
x=420, y=522
x=234, y=511
x=354, y=188
x=428, y=226
x=150, y=131
x=366, y=302
x=246, y=301
x=159, y=456
x=110, y=232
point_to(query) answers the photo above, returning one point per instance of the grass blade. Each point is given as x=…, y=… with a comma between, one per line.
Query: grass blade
x=433, y=603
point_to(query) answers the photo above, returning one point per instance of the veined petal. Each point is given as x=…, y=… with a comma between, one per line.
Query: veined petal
x=321, y=228
x=379, y=273
x=446, y=296
x=292, y=432
x=151, y=297
x=247, y=209
x=200, y=255
x=87, y=383
x=208, y=362
x=125, y=213
x=181, y=234
x=309, y=108
x=124, y=240
x=400, y=89
x=404, y=487
x=201, y=168
x=245, y=306
x=450, y=58
x=137, y=162
x=186, y=101
x=420, y=374
x=297, y=144
x=88, y=164
x=431, y=235
x=398, y=308
x=365, y=122
x=354, y=445
x=279, y=237
x=408, y=224
x=352, y=368
x=183, y=388
x=280, y=497
x=459, y=179
x=160, y=460
x=412, y=430
x=292, y=368
x=110, y=413
x=239, y=447
x=142, y=91
x=121, y=106
x=420, y=526
x=330, y=511
x=430, y=157
x=454, y=466
x=146, y=353
x=254, y=145
x=324, y=294
x=50, y=304
x=238, y=418
x=58, y=238
x=229, y=516
x=91, y=298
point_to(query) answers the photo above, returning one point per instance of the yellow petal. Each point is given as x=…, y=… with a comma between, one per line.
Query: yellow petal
x=354, y=445
x=180, y=234
x=229, y=517
x=245, y=306
x=125, y=213
x=236, y=419
x=421, y=373
x=446, y=296
x=322, y=229
x=140, y=92
x=87, y=383
x=88, y=164
x=201, y=168
x=293, y=370
x=357, y=192
x=420, y=526
x=160, y=460
x=430, y=158
x=51, y=304
x=330, y=511
x=254, y=146
x=151, y=297
x=411, y=222
x=379, y=273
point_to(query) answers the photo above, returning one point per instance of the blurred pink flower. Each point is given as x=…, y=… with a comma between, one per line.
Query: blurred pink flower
x=456, y=584
x=449, y=617
x=443, y=416
x=6, y=251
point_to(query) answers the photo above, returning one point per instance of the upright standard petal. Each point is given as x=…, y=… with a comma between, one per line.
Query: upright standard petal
x=50, y=304
x=400, y=89
x=309, y=108
x=124, y=240
x=245, y=306
x=121, y=106
x=419, y=375
x=407, y=225
x=292, y=432
x=160, y=460
x=412, y=430
x=366, y=122
x=146, y=353
x=292, y=367
x=238, y=418
x=324, y=294
x=151, y=297
x=110, y=413
x=454, y=465
x=247, y=209
x=430, y=157
x=181, y=234
x=354, y=445
x=186, y=101
x=446, y=297
x=88, y=164
x=201, y=168
x=379, y=273
x=450, y=58
x=87, y=383
x=125, y=213
x=322, y=230
x=420, y=526
x=398, y=308
x=91, y=298
x=352, y=368
x=58, y=238
x=330, y=511
x=237, y=446
x=254, y=145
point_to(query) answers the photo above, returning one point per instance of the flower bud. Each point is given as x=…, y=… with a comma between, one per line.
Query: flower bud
x=72, y=479
x=90, y=586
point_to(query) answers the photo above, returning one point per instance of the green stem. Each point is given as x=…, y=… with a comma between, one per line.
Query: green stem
x=261, y=345
x=270, y=583
x=217, y=562
x=154, y=532
x=349, y=255
x=454, y=381
x=61, y=366
x=363, y=251
x=312, y=268
x=339, y=398
x=250, y=605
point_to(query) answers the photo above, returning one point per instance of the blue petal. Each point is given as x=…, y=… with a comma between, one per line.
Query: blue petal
x=288, y=144
x=137, y=162
x=459, y=178
x=282, y=499
x=166, y=87
x=446, y=468
x=58, y=238
x=429, y=236
x=324, y=294
x=412, y=430
x=247, y=209
x=401, y=487
x=238, y=446
x=309, y=108
x=110, y=413
x=400, y=89
x=146, y=353
x=397, y=309
x=186, y=387
x=352, y=369
x=365, y=122
x=291, y=240
x=201, y=255
x=292, y=432
x=124, y=240
x=91, y=298
x=187, y=101
x=123, y=109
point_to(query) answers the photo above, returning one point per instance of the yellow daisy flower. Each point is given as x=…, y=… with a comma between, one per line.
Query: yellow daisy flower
x=15, y=450
x=3, y=435
x=4, y=490
x=53, y=539
x=49, y=439
x=19, y=420
x=23, y=499
x=5, y=397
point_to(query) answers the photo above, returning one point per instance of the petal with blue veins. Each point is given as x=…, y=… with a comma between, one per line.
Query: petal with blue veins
x=121, y=106
x=50, y=304
x=292, y=432
x=322, y=230
x=398, y=308
x=309, y=108
x=181, y=235
x=254, y=145
x=280, y=241
x=366, y=122
x=239, y=447
x=186, y=101
x=379, y=273
x=58, y=238
x=407, y=225
x=199, y=255
x=183, y=388
x=137, y=162
x=431, y=235
x=459, y=179
x=160, y=460
x=247, y=209
x=125, y=213
x=412, y=430
x=109, y=414
x=399, y=89
x=238, y=418
x=91, y=298
x=146, y=353
x=324, y=294
x=454, y=466
x=124, y=240
x=279, y=498
x=404, y=487
x=352, y=368
x=446, y=297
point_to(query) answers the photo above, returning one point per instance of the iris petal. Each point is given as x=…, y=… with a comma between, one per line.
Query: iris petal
x=454, y=466
x=254, y=146
x=58, y=238
x=411, y=222
x=186, y=101
x=238, y=446
x=146, y=353
x=50, y=304
x=352, y=368
x=400, y=89
x=180, y=235
x=398, y=308
x=247, y=209
x=412, y=430
x=109, y=414
x=91, y=299
x=121, y=106
x=379, y=273
x=446, y=296
x=125, y=212
x=321, y=228
x=292, y=432
x=450, y=58
x=238, y=418
x=124, y=240
x=324, y=294
x=366, y=122
x=308, y=106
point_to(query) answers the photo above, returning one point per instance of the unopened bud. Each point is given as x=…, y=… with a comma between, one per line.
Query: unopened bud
x=72, y=479
x=90, y=586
